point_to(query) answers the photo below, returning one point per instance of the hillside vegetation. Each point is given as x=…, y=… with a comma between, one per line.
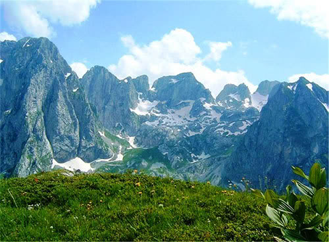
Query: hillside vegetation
x=63, y=206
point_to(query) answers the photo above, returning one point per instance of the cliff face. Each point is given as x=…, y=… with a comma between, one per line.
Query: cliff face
x=292, y=130
x=44, y=113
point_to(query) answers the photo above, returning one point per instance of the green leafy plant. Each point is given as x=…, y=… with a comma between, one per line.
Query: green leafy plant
x=289, y=214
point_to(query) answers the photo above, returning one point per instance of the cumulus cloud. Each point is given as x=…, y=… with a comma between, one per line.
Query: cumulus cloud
x=5, y=36
x=34, y=18
x=175, y=53
x=312, y=13
x=321, y=80
x=79, y=68
x=216, y=49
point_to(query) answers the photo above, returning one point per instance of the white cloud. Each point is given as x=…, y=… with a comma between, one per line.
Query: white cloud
x=34, y=18
x=175, y=53
x=79, y=68
x=312, y=13
x=216, y=49
x=5, y=36
x=321, y=80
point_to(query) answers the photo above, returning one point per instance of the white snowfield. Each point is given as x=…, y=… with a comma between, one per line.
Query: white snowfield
x=310, y=86
x=144, y=107
x=258, y=101
x=73, y=165
x=67, y=75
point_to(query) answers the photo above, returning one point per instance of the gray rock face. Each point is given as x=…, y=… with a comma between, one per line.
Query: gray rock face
x=174, y=89
x=113, y=99
x=175, y=128
x=44, y=114
x=234, y=97
x=265, y=87
x=292, y=130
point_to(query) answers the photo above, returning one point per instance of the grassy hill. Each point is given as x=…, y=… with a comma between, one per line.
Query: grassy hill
x=104, y=206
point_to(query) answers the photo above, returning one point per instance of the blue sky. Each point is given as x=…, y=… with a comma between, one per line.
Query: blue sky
x=261, y=45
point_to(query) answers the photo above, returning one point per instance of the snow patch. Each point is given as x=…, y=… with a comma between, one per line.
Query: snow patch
x=235, y=96
x=7, y=111
x=1, y=61
x=309, y=85
x=215, y=115
x=258, y=101
x=202, y=156
x=293, y=87
x=119, y=155
x=326, y=106
x=246, y=102
x=75, y=89
x=73, y=165
x=101, y=133
x=244, y=125
x=207, y=106
x=173, y=81
x=67, y=75
x=131, y=141
x=119, y=136
x=26, y=43
x=144, y=107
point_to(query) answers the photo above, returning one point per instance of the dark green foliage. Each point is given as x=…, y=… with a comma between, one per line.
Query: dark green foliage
x=105, y=206
x=289, y=214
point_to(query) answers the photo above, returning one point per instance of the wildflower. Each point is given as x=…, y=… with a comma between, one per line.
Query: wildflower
x=161, y=205
x=192, y=187
x=224, y=191
x=36, y=179
x=30, y=207
x=51, y=227
x=138, y=184
x=101, y=201
x=172, y=181
x=234, y=185
x=208, y=182
x=135, y=171
x=140, y=193
x=208, y=220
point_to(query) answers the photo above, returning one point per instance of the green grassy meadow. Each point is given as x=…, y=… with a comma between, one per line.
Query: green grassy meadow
x=104, y=206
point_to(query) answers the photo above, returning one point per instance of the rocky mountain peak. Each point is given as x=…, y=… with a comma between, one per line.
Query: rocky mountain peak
x=44, y=115
x=141, y=84
x=234, y=97
x=292, y=130
x=265, y=87
x=174, y=89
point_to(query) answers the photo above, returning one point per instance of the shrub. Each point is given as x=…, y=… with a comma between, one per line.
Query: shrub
x=289, y=214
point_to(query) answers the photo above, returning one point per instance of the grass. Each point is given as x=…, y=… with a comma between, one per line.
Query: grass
x=105, y=206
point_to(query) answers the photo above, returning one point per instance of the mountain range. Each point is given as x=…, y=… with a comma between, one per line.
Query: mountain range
x=52, y=119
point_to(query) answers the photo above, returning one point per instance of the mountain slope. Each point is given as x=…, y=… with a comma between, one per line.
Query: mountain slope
x=44, y=113
x=292, y=130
